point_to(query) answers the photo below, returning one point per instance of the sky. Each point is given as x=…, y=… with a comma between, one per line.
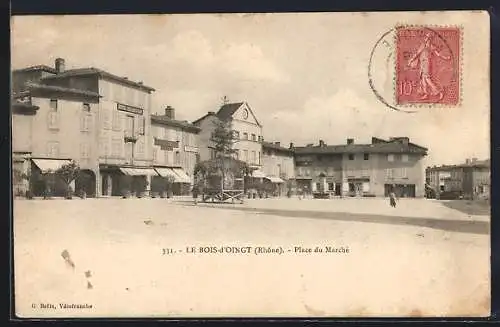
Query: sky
x=305, y=76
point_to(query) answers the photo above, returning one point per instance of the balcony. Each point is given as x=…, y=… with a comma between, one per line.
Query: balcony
x=130, y=137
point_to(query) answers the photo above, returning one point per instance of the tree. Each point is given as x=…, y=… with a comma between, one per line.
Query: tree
x=68, y=173
x=223, y=139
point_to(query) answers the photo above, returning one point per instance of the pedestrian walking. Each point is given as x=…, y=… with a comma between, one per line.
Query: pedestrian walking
x=392, y=199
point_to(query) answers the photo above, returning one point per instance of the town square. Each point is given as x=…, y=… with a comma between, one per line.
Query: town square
x=222, y=166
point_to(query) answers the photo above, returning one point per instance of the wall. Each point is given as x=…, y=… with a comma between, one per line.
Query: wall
x=187, y=149
x=204, y=137
x=113, y=124
x=22, y=132
x=271, y=161
x=415, y=173
x=69, y=135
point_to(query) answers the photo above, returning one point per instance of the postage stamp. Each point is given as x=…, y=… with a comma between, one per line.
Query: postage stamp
x=428, y=63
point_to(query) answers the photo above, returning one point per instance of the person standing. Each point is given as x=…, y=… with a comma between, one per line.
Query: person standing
x=392, y=199
x=195, y=194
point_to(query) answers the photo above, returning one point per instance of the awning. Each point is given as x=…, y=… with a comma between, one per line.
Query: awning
x=138, y=171
x=182, y=176
x=258, y=174
x=276, y=180
x=50, y=165
x=166, y=172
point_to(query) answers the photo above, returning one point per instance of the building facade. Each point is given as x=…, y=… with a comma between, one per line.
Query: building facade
x=469, y=180
x=352, y=169
x=175, y=149
x=246, y=128
x=278, y=165
x=98, y=119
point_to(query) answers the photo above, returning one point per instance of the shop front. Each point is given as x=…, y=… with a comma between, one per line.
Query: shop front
x=276, y=185
x=125, y=180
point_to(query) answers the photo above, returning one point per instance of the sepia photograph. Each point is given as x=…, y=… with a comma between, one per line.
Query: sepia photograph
x=251, y=165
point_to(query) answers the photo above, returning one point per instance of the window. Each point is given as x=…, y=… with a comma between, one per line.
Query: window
x=390, y=157
x=53, y=120
x=245, y=155
x=129, y=125
x=253, y=137
x=259, y=158
x=53, y=104
x=85, y=122
x=84, y=150
x=117, y=120
x=103, y=146
x=155, y=154
x=404, y=173
x=177, y=158
x=53, y=149
x=389, y=173
x=236, y=154
x=366, y=156
x=106, y=121
x=104, y=89
x=404, y=158
x=140, y=147
x=330, y=186
x=351, y=156
x=254, y=157
x=86, y=107
x=142, y=125
x=245, y=136
x=116, y=148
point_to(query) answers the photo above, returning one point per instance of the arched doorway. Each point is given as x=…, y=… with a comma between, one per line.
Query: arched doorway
x=86, y=181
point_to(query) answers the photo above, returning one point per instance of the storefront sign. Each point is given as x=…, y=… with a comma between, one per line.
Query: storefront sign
x=133, y=110
x=188, y=148
x=165, y=144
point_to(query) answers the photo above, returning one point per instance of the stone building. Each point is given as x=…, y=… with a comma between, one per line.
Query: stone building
x=96, y=118
x=175, y=149
x=362, y=169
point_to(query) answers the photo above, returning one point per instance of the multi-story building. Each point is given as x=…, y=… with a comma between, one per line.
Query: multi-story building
x=175, y=149
x=247, y=130
x=96, y=118
x=469, y=180
x=278, y=165
x=362, y=169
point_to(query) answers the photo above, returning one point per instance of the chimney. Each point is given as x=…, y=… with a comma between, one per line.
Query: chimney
x=277, y=143
x=59, y=65
x=321, y=143
x=467, y=161
x=291, y=145
x=350, y=141
x=170, y=112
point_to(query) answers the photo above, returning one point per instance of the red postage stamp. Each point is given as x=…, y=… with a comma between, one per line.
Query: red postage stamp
x=428, y=63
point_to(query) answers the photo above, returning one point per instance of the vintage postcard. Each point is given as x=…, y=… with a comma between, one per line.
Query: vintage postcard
x=251, y=165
